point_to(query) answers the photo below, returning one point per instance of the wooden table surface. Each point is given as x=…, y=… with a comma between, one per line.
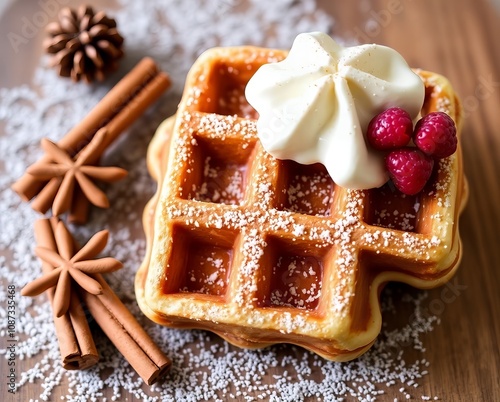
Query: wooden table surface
x=459, y=39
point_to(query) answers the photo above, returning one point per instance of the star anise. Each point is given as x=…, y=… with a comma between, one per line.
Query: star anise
x=86, y=45
x=63, y=172
x=70, y=266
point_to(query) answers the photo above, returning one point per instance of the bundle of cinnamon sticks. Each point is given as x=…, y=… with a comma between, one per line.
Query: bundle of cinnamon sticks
x=77, y=347
x=123, y=104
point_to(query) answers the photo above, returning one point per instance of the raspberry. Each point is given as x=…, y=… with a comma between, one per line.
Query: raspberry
x=390, y=129
x=409, y=169
x=436, y=135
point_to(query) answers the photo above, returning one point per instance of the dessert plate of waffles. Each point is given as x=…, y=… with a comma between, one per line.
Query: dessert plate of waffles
x=261, y=250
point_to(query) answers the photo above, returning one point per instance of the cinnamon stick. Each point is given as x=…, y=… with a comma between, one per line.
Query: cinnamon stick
x=127, y=115
x=126, y=101
x=76, y=345
x=126, y=333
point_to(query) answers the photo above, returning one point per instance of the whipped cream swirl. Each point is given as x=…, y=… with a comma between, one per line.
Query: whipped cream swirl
x=315, y=105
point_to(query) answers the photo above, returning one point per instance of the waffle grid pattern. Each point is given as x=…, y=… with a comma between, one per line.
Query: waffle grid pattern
x=279, y=271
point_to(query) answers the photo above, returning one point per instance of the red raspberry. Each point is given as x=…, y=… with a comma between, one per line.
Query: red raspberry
x=409, y=169
x=436, y=135
x=390, y=129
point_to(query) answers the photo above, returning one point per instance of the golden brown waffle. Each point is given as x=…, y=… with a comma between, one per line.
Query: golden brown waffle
x=262, y=251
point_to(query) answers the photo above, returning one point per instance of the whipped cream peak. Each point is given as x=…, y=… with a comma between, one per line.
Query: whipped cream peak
x=316, y=104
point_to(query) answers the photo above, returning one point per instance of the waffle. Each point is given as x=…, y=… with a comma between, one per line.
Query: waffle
x=263, y=251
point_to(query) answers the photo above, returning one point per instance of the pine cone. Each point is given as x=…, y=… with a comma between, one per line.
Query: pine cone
x=86, y=45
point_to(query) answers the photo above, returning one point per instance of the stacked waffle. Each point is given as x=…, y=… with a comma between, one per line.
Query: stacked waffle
x=264, y=251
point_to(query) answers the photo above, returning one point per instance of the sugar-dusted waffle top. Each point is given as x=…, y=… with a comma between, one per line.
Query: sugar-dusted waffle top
x=263, y=251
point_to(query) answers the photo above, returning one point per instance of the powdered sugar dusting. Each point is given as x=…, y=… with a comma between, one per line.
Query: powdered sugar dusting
x=204, y=367
x=310, y=192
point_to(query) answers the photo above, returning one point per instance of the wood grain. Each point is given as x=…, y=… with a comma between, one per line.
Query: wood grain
x=459, y=39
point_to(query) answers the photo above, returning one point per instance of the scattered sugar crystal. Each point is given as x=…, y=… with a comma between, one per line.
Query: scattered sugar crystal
x=298, y=230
